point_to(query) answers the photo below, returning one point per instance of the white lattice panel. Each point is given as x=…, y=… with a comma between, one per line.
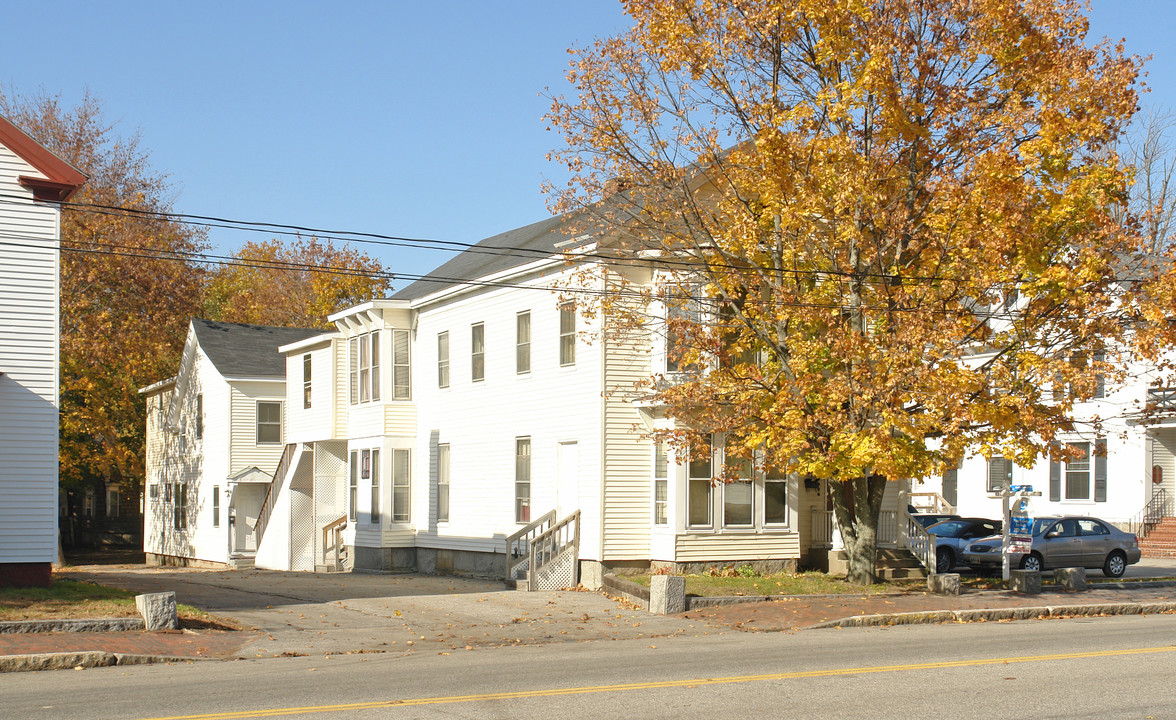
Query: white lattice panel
x=556, y=574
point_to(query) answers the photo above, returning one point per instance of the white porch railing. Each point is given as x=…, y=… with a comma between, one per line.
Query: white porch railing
x=929, y=502
x=518, y=547
x=333, y=549
x=554, y=557
x=896, y=529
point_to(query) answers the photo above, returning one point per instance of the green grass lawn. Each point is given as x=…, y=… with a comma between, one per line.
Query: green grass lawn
x=805, y=583
x=73, y=599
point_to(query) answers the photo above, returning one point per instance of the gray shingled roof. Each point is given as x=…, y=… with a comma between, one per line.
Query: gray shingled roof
x=247, y=351
x=483, y=260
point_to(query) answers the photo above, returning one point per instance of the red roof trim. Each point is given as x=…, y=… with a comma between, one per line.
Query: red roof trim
x=63, y=178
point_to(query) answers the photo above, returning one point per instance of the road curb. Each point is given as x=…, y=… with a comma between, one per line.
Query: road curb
x=120, y=624
x=85, y=659
x=990, y=615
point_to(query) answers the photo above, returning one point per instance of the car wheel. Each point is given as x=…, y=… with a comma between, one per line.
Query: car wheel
x=1115, y=565
x=1032, y=561
x=944, y=560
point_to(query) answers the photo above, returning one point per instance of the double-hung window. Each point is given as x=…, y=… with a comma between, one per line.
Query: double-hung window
x=199, y=416
x=523, y=342
x=371, y=472
x=401, y=367
x=523, y=479
x=1081, y=477
x=216, y=505
x=661, y=476
x=443, y=483
x=478, y=352
x=306, y=381
x=364, y=376
x=775, y=497
x=698, y=490
x=738, y=496
x=269, y=423
x=443, y=359
x=401, y=484
x=567, y=334
x=353, y=487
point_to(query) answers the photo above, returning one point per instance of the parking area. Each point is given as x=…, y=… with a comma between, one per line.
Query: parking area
x=309, y=613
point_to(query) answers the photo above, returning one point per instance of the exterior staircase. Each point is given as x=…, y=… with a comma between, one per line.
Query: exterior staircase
x=545, y=555
x=1161, y=541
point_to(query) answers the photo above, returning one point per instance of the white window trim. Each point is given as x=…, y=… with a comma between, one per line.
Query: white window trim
x=258, y=423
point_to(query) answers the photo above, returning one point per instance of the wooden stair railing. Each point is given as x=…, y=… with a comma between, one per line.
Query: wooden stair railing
x=333, y=541
x=271, y=496
x=518, y=546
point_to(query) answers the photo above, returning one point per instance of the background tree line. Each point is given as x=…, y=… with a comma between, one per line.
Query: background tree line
x=132, y=275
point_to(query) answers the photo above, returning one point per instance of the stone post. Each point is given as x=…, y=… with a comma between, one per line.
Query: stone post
x=158, y=610
x=1026, y=582
x=667, y=594
x=1071, y=578
x=944, y=583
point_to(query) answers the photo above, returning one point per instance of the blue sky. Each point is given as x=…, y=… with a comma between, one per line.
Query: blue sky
x=403, y=118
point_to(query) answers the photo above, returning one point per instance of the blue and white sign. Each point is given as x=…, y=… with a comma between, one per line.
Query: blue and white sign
x=1021, y=526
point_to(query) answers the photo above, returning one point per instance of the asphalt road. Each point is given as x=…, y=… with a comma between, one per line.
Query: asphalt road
x=1121, y=667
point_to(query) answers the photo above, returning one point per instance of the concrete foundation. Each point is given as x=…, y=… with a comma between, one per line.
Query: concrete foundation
x=177, y=561
x=461, y=562
x=368, y=559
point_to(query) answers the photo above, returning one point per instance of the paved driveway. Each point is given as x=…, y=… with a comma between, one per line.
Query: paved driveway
x=310, y=613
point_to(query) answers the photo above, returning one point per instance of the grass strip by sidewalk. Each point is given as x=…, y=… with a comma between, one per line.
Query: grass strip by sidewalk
x=74, y=599
x=725, y=583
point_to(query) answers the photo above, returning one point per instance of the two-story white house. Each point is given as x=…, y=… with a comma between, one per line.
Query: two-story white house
x=32, y=181
x=474, y=405
x=215, y=433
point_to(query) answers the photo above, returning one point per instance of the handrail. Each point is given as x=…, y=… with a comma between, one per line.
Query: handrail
x=931, y=502
x=1146, y=519
x=267, y=505
x=335, y=528
x=550, y=545
x=919, y=542
x=518, y=544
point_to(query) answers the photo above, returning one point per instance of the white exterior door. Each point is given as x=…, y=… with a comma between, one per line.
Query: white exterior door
x=567, y=483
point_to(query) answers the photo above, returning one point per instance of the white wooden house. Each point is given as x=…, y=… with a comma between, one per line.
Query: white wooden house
x=215, y=433
x=32, y=181
x=449, y=426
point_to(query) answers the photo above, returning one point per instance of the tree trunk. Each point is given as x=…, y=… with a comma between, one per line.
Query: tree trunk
x=857, y=505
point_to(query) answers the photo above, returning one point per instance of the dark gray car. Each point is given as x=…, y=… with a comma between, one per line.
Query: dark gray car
x=951, y=536
x=1064, y=542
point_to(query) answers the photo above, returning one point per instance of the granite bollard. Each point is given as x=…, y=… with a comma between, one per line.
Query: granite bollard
x=158, y=610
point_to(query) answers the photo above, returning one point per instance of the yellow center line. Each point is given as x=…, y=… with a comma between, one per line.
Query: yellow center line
x=554, y=692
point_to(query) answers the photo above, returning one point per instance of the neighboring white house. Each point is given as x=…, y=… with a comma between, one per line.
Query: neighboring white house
x=1128, y=459
x=429, y=428
x=32, y=181
x=215, y=433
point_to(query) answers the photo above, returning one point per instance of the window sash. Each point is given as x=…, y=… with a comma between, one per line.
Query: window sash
x=306, y=381
x=523, y=480
x=443, y=483
x=443, y=359
x=375, y=364
x=216, y=506
x=523, y=342
x=353, y=487
x=738, y=504
x=567, y=334
x=401, y=367
x=775, y=502
x=477, y=352
x=365, y=368
x=375, y=489
x=269, y=423
x=1077, y=474
x=401, y=484
x=199, y=416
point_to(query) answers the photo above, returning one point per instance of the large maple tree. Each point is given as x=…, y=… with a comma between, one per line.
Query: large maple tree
x=128, y=287
x=884, y=232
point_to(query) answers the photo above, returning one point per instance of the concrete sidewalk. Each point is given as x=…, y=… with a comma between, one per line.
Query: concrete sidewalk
x=325, y=614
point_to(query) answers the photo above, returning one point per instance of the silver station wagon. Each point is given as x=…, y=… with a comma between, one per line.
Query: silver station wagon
x=1060, y=542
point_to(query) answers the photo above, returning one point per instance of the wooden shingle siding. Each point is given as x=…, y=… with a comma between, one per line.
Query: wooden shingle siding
x=28, y=360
